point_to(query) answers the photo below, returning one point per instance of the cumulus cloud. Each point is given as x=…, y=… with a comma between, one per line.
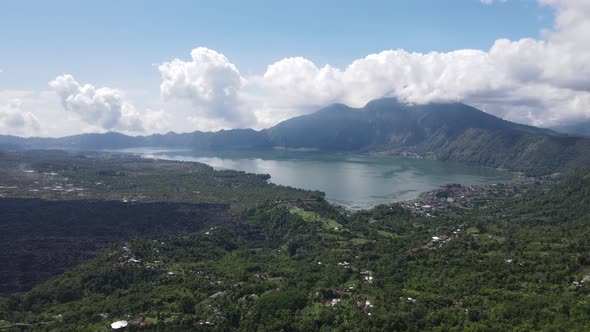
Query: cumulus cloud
x=106, y=108
x=15, y=121
x=297, y=86
x=103, y=107
x=210, y=82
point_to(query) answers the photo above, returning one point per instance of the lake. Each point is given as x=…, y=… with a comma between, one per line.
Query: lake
x=353, y=181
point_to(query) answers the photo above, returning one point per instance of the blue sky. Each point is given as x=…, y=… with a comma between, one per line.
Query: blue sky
x=141, y=67
x=116, y=42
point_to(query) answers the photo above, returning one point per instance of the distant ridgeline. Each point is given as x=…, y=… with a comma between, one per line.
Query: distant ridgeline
x=451, y=131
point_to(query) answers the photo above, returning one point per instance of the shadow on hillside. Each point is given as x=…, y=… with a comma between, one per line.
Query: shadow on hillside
x=40, y=238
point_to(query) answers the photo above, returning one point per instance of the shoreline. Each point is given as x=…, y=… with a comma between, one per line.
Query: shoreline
x=347, y=205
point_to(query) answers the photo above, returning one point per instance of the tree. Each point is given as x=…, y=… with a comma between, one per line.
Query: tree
x=186, y=305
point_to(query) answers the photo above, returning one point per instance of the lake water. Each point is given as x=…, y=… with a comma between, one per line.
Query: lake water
x=353, y=181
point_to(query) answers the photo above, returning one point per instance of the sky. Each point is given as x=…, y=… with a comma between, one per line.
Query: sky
x=140, y=67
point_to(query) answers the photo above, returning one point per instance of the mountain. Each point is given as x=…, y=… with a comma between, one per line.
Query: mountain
x=449, y=131
x=446, y=131
x=235, y=138
x=387, y=124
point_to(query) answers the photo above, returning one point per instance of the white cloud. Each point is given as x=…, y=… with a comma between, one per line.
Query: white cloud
x=105, y=108
x=15, y=121
x=210, y=82
x=45, y=107
x=157, y=121
x=297, y=86
x=489, y=2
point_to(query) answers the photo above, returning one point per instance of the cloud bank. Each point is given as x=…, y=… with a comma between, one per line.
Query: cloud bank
x=536, y=81
x=15, y=121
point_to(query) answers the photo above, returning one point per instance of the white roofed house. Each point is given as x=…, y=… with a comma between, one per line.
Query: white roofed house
x=119, y=325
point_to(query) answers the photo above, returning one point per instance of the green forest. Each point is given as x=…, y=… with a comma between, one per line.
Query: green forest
x=518, y=260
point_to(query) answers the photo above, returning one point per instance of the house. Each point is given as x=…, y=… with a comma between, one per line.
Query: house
x=146, y=323
x=216, y=295
x=119, y=325
x=332, y=303
x=365, y=305
x=439, y=239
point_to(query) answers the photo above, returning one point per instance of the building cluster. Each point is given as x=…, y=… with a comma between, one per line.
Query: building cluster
x=456, y=195
x=127, y=257
x=366, y=305
x=367, y=276
x=438, y=241
x=582, y=282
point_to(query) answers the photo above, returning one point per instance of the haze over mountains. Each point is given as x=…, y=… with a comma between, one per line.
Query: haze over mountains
x=581, y=128
x=446, y=131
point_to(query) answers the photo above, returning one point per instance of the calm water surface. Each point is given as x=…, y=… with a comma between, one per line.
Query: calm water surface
x=352, y=181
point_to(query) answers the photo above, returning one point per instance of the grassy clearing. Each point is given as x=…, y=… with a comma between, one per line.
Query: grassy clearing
x=386, y=234
x=359, y=240
x=328, y=224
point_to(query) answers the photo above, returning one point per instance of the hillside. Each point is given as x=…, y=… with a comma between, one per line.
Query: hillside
x=58, y=209
x=446, y=131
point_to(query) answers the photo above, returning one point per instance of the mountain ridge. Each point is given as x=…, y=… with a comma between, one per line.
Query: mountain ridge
x=446, y=131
